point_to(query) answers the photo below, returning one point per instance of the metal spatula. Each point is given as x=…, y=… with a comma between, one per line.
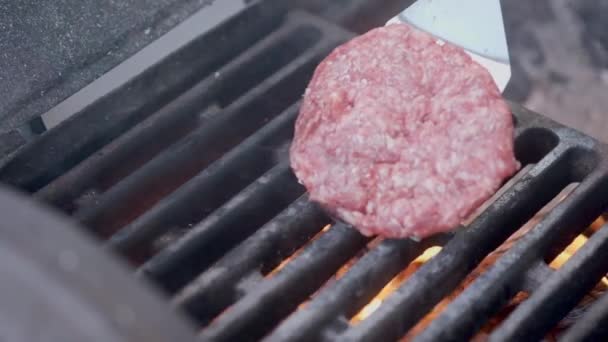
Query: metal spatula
x=475, y=25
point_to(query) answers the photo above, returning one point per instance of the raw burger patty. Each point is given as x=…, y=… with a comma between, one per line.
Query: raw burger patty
x=402, y=137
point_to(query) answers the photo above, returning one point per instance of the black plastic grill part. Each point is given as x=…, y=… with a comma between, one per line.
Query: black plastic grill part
x=185, y=173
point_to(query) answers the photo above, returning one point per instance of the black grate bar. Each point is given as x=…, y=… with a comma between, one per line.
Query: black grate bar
x=351, y=292
x=559, y=293
x=356, y=15
x=255, y=154
x=163, y=125
x=215, y=289
x=75, y=139
x=404, y=307
x=591, y=326
x=277, y=296
x=486, y=295
x=176, y=164
x=181, y=114
x=225, y=227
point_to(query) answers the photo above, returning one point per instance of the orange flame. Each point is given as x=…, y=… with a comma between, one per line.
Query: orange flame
x=389, y=288
x=568, y=252
x=429, y=253
x=297, y=252
x=577, y=244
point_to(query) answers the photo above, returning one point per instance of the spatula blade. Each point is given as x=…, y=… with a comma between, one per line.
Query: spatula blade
x=475, y=25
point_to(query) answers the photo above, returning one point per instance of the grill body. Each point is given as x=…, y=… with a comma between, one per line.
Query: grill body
x=184, y=173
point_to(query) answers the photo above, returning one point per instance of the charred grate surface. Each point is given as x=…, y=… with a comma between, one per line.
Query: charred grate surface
x=184, y=172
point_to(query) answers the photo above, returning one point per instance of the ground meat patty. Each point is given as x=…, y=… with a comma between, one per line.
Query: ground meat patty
x=402, y=137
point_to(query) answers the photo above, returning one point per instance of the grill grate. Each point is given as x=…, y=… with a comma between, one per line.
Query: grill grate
x=185, y=173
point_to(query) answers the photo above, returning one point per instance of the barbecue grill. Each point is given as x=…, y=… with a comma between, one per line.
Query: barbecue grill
x=183, y=173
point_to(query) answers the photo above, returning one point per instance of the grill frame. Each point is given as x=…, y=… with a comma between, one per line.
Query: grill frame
x=250, y=243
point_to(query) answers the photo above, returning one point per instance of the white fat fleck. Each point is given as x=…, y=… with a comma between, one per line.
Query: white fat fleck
x=428, y=184
x=442, y=166
x=500, y=164
x=383, y=172
x=465, y=176
x=441, y=188
x=348, y=216
x=403, y=181
x=390, y=142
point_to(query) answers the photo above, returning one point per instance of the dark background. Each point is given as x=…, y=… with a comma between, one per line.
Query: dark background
x=559, y=52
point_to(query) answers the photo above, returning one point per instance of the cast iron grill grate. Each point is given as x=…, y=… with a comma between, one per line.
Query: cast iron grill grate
x=184, y=172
